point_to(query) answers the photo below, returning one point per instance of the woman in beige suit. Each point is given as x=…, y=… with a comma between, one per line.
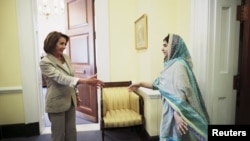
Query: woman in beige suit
x=61, y=96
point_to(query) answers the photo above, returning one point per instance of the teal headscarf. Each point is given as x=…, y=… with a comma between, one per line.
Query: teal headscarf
x=194, y=114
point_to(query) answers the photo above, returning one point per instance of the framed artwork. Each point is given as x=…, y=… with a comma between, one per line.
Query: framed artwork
x=141, y=32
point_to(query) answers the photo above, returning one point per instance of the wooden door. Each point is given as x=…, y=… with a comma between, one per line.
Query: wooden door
x=243, y=97
x=81, y=49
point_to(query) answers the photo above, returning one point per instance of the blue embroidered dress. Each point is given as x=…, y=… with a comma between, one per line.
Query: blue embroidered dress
x=180, y=92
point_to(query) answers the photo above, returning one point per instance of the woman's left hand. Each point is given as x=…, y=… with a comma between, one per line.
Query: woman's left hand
x=181, y=124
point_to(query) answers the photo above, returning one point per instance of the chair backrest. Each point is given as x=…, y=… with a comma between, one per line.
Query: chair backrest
x=111, y=94
x=116, y=98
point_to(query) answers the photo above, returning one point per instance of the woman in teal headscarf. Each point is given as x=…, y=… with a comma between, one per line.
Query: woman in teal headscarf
x=184, y=115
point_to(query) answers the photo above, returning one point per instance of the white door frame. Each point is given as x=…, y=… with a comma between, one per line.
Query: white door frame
x=199, y=44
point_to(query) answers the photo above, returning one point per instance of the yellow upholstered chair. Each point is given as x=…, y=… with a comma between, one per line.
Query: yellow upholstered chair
x=120, y=108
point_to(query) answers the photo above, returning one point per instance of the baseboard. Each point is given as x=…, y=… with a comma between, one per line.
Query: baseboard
x=19, y=130
x=147, y=137
x=153, y=138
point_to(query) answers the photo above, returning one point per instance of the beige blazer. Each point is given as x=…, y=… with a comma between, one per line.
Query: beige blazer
x=59, y=94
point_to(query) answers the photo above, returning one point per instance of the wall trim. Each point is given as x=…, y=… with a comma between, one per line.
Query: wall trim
x=12, y=89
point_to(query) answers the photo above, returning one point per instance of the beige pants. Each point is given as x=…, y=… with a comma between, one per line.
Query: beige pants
x=63, y=125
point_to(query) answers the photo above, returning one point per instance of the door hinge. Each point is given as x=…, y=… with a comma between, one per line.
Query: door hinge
x=236, y=83
x=242, y=13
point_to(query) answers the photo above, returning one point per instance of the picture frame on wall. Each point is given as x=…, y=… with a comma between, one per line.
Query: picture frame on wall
x=141, y=32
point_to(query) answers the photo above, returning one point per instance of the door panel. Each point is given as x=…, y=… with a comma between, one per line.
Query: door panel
x=79, y=49
x=225, y=60
x=80, y=28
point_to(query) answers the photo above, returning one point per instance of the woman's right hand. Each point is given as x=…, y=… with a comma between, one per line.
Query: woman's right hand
x=134, y=87
x=92, y=80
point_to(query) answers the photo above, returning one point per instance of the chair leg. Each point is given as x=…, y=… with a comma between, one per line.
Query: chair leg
x=102, y=134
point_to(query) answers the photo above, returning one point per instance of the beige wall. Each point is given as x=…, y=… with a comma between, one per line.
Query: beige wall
x=164, y=16
x=126, y=63
x=11, y=104
x=122, y=55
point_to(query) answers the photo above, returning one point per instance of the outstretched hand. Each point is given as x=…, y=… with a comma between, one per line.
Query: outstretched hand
x=92, y=80
x=133, y=87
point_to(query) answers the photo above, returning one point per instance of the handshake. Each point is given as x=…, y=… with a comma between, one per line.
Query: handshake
x=92, y=80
